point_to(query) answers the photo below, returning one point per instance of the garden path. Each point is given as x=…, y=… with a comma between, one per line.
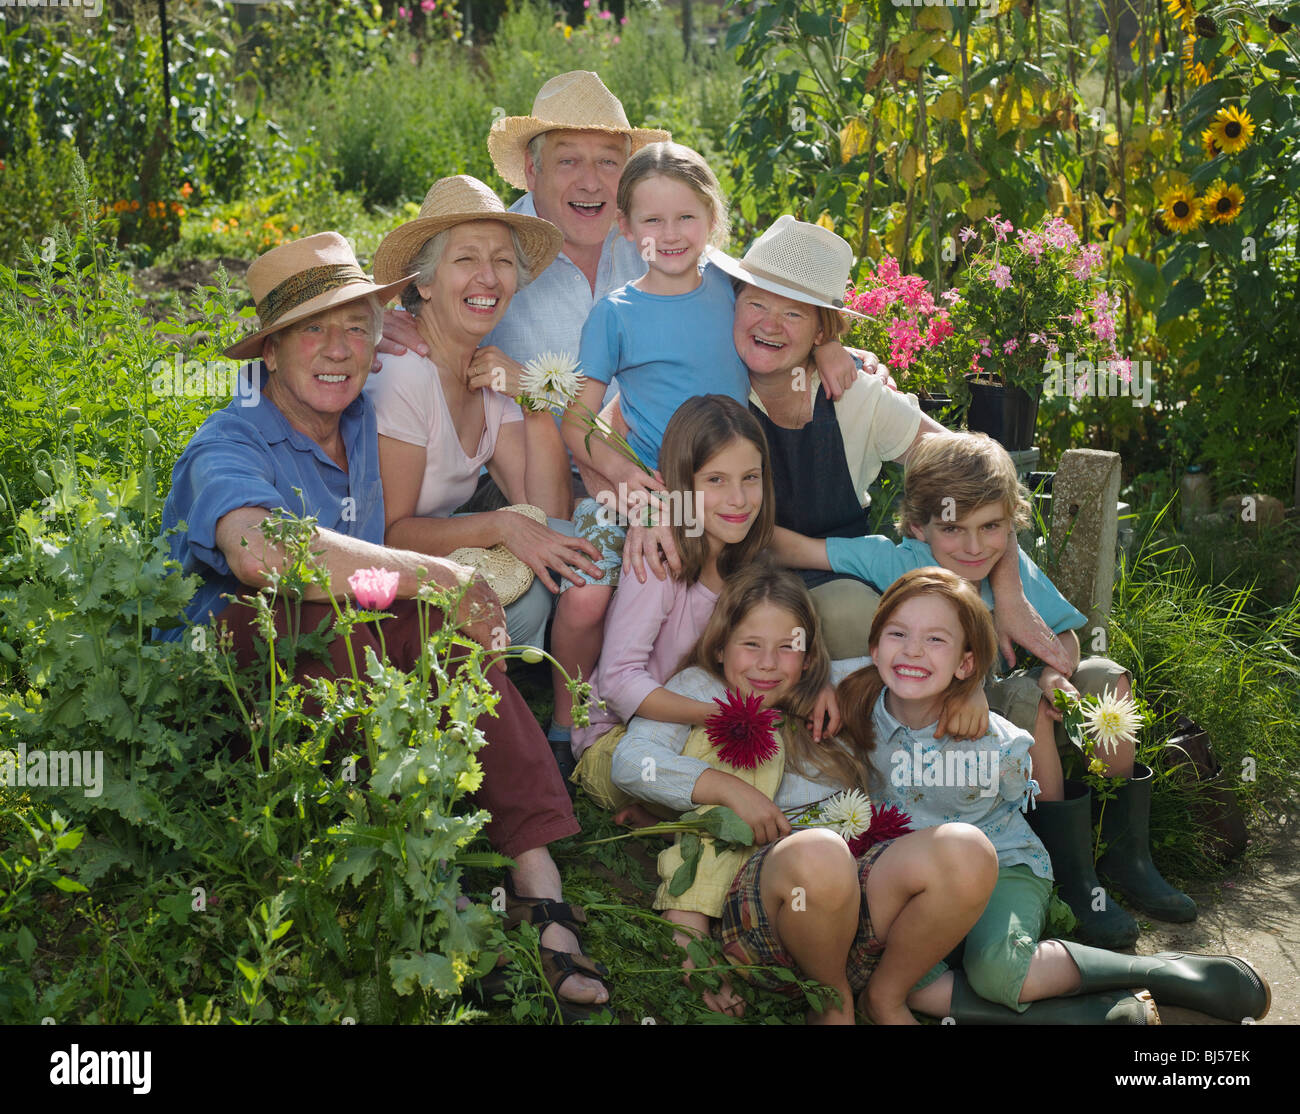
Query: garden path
x=1253, y=913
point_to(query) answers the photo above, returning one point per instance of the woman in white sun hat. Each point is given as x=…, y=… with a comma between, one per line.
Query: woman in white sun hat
x=444, y=416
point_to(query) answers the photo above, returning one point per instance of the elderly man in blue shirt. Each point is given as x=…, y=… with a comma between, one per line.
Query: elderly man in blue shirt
x=310, y=446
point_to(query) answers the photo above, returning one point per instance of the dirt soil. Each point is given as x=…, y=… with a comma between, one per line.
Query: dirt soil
x=1255, y=915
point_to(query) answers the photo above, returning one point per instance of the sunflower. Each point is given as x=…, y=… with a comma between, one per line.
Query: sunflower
x=1184, y=10
x=1197, y=72
x=1180, y=209
x=1222, y=203
x=1209, y=144
x=1232, y=129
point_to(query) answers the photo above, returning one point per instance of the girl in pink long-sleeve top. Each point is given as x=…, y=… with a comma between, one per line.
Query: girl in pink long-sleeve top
x=715, y=466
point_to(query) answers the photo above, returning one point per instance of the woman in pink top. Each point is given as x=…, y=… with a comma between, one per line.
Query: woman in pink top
x=444, y=417
x=714, y=461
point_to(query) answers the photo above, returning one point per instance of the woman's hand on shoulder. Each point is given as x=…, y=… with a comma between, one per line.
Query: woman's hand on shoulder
x=491, y=368
x=400, y=334
x=643, y=546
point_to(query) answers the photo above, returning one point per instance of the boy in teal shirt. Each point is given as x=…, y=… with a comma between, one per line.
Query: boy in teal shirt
x=961, y=502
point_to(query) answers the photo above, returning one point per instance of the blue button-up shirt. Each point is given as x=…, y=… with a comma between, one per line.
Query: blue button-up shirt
x=547, y=315
x=250, y=456
x=985, y=782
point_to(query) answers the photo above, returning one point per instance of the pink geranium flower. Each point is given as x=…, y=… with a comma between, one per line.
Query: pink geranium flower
x=1011, y=345
x=374, y=589
x=967, y=234
x=1001, y=276
x=940, y=330
x=1030, y=243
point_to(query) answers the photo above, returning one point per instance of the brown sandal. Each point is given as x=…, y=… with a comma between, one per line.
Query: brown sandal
x=557, y=966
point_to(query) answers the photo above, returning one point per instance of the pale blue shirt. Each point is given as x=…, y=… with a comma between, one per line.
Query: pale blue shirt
x=547, y=315
x=880, y=561
x=985, y=782
x=253, y=457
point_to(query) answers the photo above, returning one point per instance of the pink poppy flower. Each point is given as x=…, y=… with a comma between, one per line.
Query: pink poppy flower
x=374, y=589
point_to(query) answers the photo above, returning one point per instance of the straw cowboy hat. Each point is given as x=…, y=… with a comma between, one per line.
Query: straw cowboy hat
x=797, y=260
x=506, y=575
x=574, y=101
x=455, y=200
x=301, y=279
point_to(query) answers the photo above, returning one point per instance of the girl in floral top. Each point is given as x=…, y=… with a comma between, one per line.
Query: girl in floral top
x=931, y=641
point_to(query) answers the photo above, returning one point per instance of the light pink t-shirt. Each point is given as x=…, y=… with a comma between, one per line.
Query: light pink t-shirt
x=647, y=630
x=409, y=406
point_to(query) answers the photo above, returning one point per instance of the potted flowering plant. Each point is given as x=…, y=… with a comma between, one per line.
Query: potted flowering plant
x=903, y=320
x=1025, y=302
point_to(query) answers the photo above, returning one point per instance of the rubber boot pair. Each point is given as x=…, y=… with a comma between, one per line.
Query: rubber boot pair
x=1126, y=1007
x=1222, y=986
x=1126, y=864
x=1065, y=827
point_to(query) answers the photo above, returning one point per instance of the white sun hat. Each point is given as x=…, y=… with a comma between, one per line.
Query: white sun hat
x=797, y=260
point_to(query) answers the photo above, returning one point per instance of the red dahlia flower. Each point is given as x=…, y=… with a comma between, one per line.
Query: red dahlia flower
x=886, y=823
x=743, y=730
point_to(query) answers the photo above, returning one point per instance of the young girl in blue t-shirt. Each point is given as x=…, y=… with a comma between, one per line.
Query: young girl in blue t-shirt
x=932, y=640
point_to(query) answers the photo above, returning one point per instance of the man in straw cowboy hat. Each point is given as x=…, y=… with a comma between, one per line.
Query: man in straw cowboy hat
x=311, y=447
x=568, y=153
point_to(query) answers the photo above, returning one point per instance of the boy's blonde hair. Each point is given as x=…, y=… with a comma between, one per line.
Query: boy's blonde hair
x=673, y=160
x=971, y=469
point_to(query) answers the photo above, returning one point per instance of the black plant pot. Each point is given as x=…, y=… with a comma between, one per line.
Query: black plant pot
x=941, y=408
x=1007, y=414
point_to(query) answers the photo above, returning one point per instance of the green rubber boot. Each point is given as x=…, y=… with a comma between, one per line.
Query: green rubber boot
x=1106, y=1008
x=1065, y=827
x=1222, y=986
x=1127, y=865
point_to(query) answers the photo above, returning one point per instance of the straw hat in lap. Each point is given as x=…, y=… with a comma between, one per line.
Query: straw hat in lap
x=457, y=200
x=798, y=260
x=574, y=101
x=303, y=278
x=507, y=575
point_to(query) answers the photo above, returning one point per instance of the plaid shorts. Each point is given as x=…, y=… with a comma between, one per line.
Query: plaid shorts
x=749, y=938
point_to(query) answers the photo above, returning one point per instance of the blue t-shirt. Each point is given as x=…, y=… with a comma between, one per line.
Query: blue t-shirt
x=664, y=349
x=250, y=456
x=880, y=561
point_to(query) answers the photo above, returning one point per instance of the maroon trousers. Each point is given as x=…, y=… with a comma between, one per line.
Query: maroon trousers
x=522, y=786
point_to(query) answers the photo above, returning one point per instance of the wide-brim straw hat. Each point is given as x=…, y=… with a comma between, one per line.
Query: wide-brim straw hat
x=457, y=200
x=505, y=573
x=304, y=278
x=797, y=260
x=573, y=101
